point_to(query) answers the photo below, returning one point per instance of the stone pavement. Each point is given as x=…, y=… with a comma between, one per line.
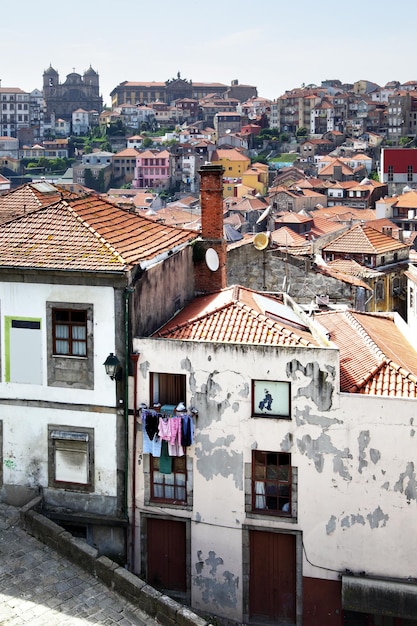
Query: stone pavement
x=38, y=587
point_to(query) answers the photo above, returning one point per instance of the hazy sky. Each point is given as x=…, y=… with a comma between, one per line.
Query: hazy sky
x=273, y=44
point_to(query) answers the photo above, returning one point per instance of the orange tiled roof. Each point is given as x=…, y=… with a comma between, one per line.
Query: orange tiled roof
x=351, y=267
x=375, y=357
x=30, y=197
x=321, y=226
x=329, y=169
x=236, y=315
x=231, y=154
x=87, y=233
x=344, y=213
x=127, y=152
x=407, y=200
x=284, y=236
x=364, y=240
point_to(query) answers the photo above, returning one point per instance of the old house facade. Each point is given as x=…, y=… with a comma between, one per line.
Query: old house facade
x=263, y=518
x=86, y=274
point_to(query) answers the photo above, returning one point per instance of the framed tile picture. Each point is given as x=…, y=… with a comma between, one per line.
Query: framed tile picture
x=271, y=399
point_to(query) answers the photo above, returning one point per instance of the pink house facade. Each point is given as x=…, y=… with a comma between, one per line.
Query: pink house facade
x=153, y=170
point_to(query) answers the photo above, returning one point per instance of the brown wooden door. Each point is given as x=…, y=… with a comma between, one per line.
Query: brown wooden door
x=272, y=583
x=166, y=543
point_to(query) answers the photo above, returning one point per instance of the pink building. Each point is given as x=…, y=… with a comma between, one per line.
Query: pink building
x=153, y=170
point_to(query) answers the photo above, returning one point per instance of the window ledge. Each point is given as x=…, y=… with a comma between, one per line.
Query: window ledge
x=168, y=505
x=288, y=519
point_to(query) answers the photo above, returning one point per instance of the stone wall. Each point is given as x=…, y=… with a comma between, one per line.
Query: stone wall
x=274, y=270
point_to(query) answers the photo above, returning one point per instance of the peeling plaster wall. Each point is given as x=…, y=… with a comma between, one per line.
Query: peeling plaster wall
x=25, y=453
x=27, y=409
x=355, y=459
x=366, y=469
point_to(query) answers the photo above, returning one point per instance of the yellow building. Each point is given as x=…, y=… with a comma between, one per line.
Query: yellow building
x=233, y=162
x=256, y=176
x=236, y=190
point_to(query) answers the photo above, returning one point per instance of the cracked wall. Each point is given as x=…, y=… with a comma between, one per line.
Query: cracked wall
x=356, y=484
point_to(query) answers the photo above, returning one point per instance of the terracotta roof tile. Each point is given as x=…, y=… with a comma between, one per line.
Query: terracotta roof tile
x=364, y=240
x=235, y=315
x=375, y=357
x=86, y=233
x=30, y=197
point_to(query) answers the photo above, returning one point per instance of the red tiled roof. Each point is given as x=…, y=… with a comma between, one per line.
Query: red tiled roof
x=284, y=236
x=364, y=240
x=375, y=357
x=30, y=197
x=344, y=213
x=87, y=233
x=234, y=315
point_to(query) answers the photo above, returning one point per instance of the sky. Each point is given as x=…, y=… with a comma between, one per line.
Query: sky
x=275, y=45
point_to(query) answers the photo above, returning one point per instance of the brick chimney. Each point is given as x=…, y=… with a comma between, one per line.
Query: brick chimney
x=210, y=253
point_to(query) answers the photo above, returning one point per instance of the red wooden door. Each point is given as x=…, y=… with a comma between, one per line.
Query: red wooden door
x=166, y=543
x=272, y=583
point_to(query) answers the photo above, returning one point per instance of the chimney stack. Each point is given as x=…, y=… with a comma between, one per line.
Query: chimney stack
x=211, y=252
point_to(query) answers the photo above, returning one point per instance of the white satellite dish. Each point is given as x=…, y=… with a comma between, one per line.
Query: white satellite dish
x=264, y=214
x=212, y=259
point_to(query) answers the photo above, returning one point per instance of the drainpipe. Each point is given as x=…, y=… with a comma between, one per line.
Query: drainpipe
x=135, y=358
x=128, y=292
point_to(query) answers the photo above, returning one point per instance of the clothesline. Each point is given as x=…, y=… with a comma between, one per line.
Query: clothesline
x=176, y=430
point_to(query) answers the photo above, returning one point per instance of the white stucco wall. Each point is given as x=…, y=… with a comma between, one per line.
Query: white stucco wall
x=25, y=445
x=357, y=488
x=29, y=300
x=28, y=409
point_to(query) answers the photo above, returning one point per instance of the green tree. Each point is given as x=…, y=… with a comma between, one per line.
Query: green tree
x=405, y=141
x=147, y=142
x=302, y=132
x=259, y=159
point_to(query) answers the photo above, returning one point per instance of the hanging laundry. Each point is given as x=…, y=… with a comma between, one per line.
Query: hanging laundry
x=151, y=445
x=165, y=462
x=187, y=433
x=164, y=428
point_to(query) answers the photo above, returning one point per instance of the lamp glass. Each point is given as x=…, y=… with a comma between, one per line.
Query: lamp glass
x=112, y=365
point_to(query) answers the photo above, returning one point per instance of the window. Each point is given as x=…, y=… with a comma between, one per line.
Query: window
x=70, y=345
x=69, y=332
x=167, y=389
x=379, y=290
x=390, y=173
x=271, y=483
x=169, y=487
x=71, y=458
x=410, y=173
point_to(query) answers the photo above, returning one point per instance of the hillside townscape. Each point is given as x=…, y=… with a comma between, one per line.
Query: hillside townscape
x=208, y=342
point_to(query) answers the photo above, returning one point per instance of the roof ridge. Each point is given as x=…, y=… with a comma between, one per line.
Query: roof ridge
x=96, y=234
x=368, y=339
x=195, y=319
x=272, y=323
x=401, y=370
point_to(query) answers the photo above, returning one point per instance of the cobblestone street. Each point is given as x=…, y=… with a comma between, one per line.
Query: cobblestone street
x=40, y=588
